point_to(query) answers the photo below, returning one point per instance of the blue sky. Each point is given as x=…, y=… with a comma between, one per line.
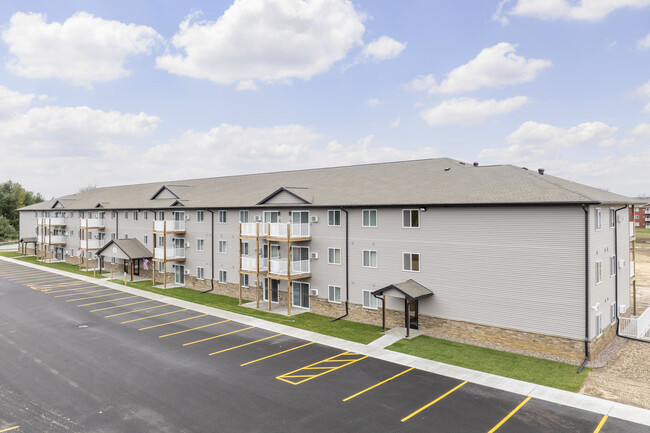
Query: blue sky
x=105, y=93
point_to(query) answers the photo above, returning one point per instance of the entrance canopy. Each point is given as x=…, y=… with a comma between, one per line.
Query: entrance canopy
x=28, y=240
x=409, y=289
x=127, y=249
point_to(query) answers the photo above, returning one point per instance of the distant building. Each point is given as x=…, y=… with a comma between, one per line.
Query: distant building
x=640, y=214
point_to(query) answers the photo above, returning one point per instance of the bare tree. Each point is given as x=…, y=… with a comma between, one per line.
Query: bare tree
x=88, y=187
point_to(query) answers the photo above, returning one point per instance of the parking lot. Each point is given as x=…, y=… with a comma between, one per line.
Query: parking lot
x=81, y=357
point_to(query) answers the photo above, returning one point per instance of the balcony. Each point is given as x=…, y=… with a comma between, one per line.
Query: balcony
x=51, y=221
x=631, y=269
x=289, y=231
x=251, y=229
x=93, y=244
x=95, y=223
x=249, y=264
x=171, y=226
x=52, y=240
x=172, y=254
x=298, y=268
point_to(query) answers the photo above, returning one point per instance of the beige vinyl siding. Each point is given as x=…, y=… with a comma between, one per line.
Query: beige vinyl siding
x=26, y=225
x=284, y=197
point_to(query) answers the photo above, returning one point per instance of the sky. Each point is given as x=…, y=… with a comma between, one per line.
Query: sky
x=111, y=93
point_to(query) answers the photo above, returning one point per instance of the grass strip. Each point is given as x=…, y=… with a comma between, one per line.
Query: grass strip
x=62, y=266
x=527, y=368
x=9, y=254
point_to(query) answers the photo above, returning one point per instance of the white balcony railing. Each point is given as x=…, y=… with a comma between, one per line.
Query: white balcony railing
x=94, y=222
x=51, y=221
x=279, y=230
x=93, y=244
x=170, y=226
x=632, y=270
x=636, y=327
x=298, y=267
x=54, y=239
x=250, y=229
x=250, y=264
x=172, y=253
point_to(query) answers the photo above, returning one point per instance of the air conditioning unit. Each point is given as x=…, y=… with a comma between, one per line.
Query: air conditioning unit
x=622, y=309
x=187, y=217
x=620, y=218
x=258, y=218
x=313, y=218
x=187, y=245
x=621, y=263
x=187, y=271
x=313, y=292
x=314, y=256
x=96, y=237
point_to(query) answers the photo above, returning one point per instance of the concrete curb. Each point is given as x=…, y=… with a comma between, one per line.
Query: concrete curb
x=540, y=392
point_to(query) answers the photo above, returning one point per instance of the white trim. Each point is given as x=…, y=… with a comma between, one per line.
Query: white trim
x=247, y=216
x=244, y=277
x=328, y=218
x=612, y=266
x=202, y=277
x=328, y=255
x=598, y=221
x=599, y=272
x=612, y=217
x=223, y=213
x=308, y=300
x=329, y=299
x=370, y=298
x=202, y=219
x=225, y=248
x=411, y=261
x=376, y=217
x=410, y=215
x=222, y=272
x=369, y=259
x=202, y=244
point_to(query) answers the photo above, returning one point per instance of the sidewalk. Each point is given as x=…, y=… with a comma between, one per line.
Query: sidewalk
x=540, y=392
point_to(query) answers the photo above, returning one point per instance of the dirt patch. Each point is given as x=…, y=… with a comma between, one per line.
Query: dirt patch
x=642, y=271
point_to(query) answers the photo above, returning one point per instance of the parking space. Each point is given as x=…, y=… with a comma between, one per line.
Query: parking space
x=174, y=369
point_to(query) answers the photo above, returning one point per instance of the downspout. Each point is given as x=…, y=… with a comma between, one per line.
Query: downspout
x=212, y=249
x=616, y=264
x=117, y=225
x=584, y=208
x=347, y=271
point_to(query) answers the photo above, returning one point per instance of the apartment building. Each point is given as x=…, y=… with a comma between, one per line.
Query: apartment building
x=640, y=213
x=547, y=269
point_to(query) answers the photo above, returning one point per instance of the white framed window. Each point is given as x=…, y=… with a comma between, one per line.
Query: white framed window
x=244, y=280
x=369, y=258
x=334, y=218
x=200, y=272
x=135, y=215
x=126, y=215
x=145, y=215
x=112, y=236
x=411, y=218
x=334, y=256
x=612, y=312
x=112, y=260
x=199, y=244
x=223, y=277
x=113, y=213
x=222, y=217
x=411, y=262
x=369, y=218
x=243, y=216
x=271, y=216
x=599, y=272
x=244, y=248
x=81, y=215
x=222, y=247
x=369, y=301
x=160, y=266
x=200, y=215
x=300, y=294
x=161, y=241
x=334, y=294
x=145, y=238
x=161, y=215
x=612, y=218
x=636, y=217
x=612, y=266
x=598, y=219
x=71, y=234
x=599, y=324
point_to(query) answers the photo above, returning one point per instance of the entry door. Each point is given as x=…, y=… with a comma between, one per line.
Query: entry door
x=136, y=267
x=179, y=274
x=275, y=290
x=300, y=226
x=300, y=296
x=411, y=309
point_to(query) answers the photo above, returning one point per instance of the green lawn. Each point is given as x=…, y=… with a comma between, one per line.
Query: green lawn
x=347, y=330
x=9, y=254
x=58, y=265
x=642, y=234
x=526, y=368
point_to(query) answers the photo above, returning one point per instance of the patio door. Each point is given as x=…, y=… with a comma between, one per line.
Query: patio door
x=300, y=295
x=300, y=223
x=275, y=290
x=179, y=274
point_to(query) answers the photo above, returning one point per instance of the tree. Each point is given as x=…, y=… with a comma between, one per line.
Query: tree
x=7, y=231
x=12, y=197
x=88, y=187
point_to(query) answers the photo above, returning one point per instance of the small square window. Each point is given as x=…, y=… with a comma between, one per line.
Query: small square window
x=334, y=293
x=199, y=216
x=334, y=256
x=334, y=218
x=369, y=217
x=369, y=301
x=223, y=247
x=411, y=218
x=222, y=216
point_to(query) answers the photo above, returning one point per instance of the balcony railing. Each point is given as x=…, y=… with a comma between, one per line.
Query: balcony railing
x=279, y=230
x=93, y=244
x=169, y=226
x=54, y=239
x=51, y=221
x=632, y=270
x=250, y=264
x=94, y=223
x=250, y=229
x=172, y=253
x=298, y=267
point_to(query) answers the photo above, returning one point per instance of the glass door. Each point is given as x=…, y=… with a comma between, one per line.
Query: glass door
x=179, y=274
x=300, y=223
x=300, y=295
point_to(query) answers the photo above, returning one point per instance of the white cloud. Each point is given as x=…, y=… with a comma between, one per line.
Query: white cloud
x=584, y=10
x=496, y=66
x=12, y=102
x=466, y=111
x=373, y=102
x=266, y=40
x=384, y=48
x=425, y=83
x=83, y=49
x=498, y=14
x=641, y=130
x=247, y=85
x=395, y=123
x=644, y=91
x=644, y=43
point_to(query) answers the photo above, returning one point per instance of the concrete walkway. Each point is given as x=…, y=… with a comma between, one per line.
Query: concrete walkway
x=540, y=392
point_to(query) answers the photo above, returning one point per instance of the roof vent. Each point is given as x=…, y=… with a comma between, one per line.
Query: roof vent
x=540, y=171
x=447, y=168
x=524, y=168
x=476, y=164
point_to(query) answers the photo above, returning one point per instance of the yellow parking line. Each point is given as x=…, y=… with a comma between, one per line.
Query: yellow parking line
x=98, y=296
x=286, y=377
x=155, y=315
x=436, y=401
x=509, y=415
x=76, y=293
x=246, y=344
x=123, y=305
x=188, y=330
x=218, y=336
x=602, y=422
x=37, y=278
x=110, y=300
x=275, y=354
x=57, y=285
x=169, y=323
x=9, y=429
x=376, y=385
x=136, y=311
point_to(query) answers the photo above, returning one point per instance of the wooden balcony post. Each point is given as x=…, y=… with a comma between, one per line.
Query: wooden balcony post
x=164, y=254
x=257, y=251
x=153, y=262
x=289, y=288
x=268, y=272
x=239, y=253
x=86, y=244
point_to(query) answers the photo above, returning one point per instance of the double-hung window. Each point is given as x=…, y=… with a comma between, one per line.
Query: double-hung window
x=369, y=301
x=244, y=280
x=599, y=272
x=411, y=262
x=411, y=218
x=135, y=215
x=598, y=219
x=612, y=266
x=369, y=259
x=222, y=216
x=334, y=293
x=200, y=272
x=334, y=218
x=612, y=312
x=222, y=276
x=334, y=256
x=200, y=215
x=243, y=216
x=599, y=324
x=369, y=218
x=612, y=218
x=223, y=247
x=199, y=244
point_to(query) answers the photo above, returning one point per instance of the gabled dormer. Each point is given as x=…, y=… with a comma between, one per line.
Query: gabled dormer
x=164, y=193
x=288, y=195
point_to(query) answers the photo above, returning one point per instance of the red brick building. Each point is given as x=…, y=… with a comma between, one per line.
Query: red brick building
x=640, y=214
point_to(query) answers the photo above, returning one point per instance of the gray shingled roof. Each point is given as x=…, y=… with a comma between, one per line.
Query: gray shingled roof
x=410, y=289
x=133, y=248
x=435, y=182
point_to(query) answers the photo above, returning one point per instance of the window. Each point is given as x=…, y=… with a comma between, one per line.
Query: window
x=222, y=216
x=599, y=272
x=135, y=215
x=598, y=219
x=126, y=215
x=411, y=218
x=411, y=262
x=599, y=324
x=222, y=276
x=113, y=260
x=612, y=312
x=369, y=259
x=243, y=216
x=112, y=236
x=244, y=248
x=275, y=290
x=243, y=280
x=223, y=247
x=200, y=272
x=199, y=216
x=369, y=218
x=369, y=301
x=334, y=256
x=161, y=215
x=612, y=266
x=113, y=213
x=161, y=241
x=81, y=215
x=300, y=294
x=145, y=215
x=160, y=266
x=71, y=234
x=271, y=216
x=612, y=218
x=636, y=217
x=333, y=217
x=199, y=244
x=146, y=239
x=334, y=293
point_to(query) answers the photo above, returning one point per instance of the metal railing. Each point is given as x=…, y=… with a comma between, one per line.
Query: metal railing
x=172, y=253
x=298, y=267
x=250, y=264
x=92, y=222
x=635, y=327
x=169, y=225
x=279, y=230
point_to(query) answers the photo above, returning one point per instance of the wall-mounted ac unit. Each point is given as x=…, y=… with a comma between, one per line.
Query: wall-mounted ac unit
x=314, y=255
x=258, y=218
x=187, y=244
x=621, y=263
x=187, y=217
x=187, y=271
x=96, y=237
x=313, y=218
x=622, y=309
x=620, y=218
x=313, y=292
